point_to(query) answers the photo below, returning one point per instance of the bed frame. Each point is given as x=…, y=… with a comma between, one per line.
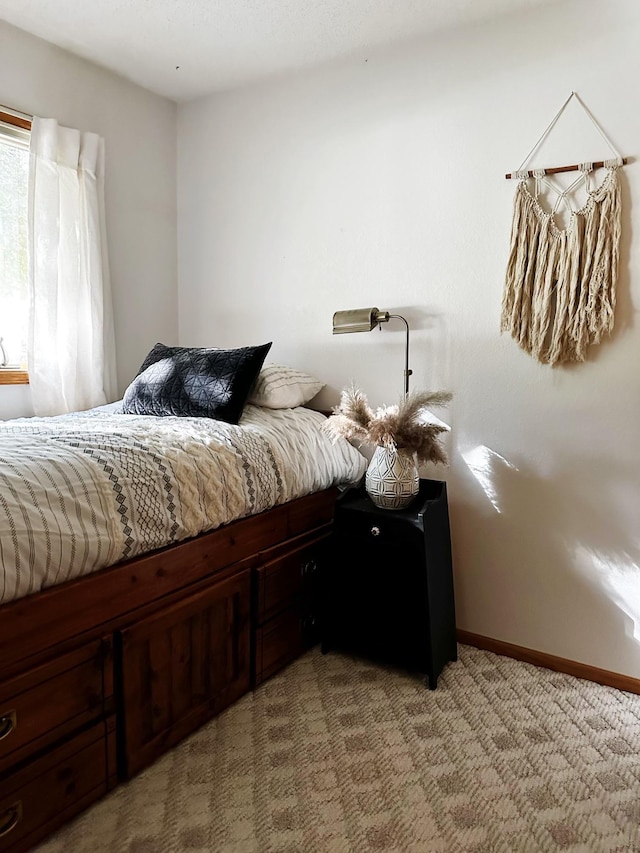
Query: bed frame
x=102, y=674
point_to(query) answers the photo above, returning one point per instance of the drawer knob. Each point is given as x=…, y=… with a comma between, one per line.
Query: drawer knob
x=375, y=531
x=8, y=722
x=10, y=818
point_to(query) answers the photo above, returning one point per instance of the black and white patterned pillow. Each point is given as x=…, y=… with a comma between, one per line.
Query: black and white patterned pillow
x=195, y=382
x=280, y=387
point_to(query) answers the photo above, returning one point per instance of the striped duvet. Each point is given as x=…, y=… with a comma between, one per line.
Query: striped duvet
x=84, y=491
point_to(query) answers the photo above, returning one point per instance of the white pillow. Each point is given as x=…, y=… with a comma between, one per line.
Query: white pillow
x=279, y=387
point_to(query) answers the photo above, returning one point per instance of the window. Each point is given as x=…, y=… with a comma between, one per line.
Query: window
x=14, y=182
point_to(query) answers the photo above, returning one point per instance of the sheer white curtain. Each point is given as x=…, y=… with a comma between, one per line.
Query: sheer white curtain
x=71, y=350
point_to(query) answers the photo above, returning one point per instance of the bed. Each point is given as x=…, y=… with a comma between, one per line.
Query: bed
x=154, y=569
x=84, y=491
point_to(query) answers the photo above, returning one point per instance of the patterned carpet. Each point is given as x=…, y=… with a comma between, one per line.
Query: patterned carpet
x=341, y=756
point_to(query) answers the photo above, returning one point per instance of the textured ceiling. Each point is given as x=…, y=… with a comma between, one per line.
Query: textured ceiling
x=222, y=44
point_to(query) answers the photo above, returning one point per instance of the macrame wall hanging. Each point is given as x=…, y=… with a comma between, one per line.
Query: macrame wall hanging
x=560, y=288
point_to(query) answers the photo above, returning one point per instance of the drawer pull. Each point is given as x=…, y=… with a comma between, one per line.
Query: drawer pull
x=375, y=531
x=308, y=568
x=8, y=722
x=10, y=818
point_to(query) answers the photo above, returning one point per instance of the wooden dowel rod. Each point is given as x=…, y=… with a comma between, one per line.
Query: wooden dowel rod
x=16, y=121
x=598, y=164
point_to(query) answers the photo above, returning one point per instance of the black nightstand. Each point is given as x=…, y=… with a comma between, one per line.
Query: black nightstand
x=387, y=585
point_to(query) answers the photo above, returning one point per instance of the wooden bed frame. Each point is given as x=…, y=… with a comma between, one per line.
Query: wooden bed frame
x=102, y=674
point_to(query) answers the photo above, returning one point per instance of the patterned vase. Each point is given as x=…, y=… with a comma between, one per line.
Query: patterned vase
x=392, y=478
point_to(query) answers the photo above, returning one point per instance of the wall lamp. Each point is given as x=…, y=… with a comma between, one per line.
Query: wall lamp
x=366, y=319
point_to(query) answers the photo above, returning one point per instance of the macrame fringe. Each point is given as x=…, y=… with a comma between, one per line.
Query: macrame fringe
x=560, y=288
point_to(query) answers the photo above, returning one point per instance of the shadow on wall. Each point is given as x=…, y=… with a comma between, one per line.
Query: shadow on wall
x=550, y=564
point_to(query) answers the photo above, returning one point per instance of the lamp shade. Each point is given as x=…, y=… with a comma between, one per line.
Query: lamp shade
x=358, y=320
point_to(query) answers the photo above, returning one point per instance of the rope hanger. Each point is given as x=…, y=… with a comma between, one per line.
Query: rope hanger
x=617, y=160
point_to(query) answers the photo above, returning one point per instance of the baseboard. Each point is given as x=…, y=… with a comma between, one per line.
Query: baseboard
x=570, y=667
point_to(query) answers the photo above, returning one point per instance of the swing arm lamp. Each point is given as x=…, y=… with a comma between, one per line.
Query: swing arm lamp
x=365, y=320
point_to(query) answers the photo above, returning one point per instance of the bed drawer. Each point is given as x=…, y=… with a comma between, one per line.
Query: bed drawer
x=47, y=792
x=281, y=640
x=287, y=580
x=51, y=701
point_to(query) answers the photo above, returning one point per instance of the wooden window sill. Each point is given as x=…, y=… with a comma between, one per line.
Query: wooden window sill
x=13, y=377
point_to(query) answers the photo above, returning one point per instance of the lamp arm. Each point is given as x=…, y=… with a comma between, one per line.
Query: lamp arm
x=407, y=372
x=365, y=320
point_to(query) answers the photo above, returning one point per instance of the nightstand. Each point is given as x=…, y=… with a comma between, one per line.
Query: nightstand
x=387, y=585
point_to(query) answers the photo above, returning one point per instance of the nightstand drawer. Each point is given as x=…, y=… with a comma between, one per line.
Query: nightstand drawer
x=357, y=516
x=50, y=701
x=45, y=793
x=286, y=580
x=374, y=529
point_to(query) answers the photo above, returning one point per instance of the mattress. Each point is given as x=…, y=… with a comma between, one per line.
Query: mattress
x=83, y=491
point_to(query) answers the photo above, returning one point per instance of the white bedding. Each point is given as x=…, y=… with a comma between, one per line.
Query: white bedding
x=81, y=492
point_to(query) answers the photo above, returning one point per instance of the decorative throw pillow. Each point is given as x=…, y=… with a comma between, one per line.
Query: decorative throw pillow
x=281, y=387
x=195, y=382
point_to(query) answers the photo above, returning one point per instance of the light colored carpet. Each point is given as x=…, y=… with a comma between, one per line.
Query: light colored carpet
x=341, y=756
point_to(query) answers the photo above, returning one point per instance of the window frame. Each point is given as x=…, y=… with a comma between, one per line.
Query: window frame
x=9, y=375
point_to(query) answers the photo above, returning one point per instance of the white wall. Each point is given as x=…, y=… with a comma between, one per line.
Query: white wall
x=140, y=139
x=382, y=182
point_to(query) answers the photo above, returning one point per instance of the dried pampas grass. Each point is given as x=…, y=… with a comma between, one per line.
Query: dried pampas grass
x=401, y=427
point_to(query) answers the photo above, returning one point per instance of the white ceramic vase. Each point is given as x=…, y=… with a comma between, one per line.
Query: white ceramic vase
x=392, y=480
